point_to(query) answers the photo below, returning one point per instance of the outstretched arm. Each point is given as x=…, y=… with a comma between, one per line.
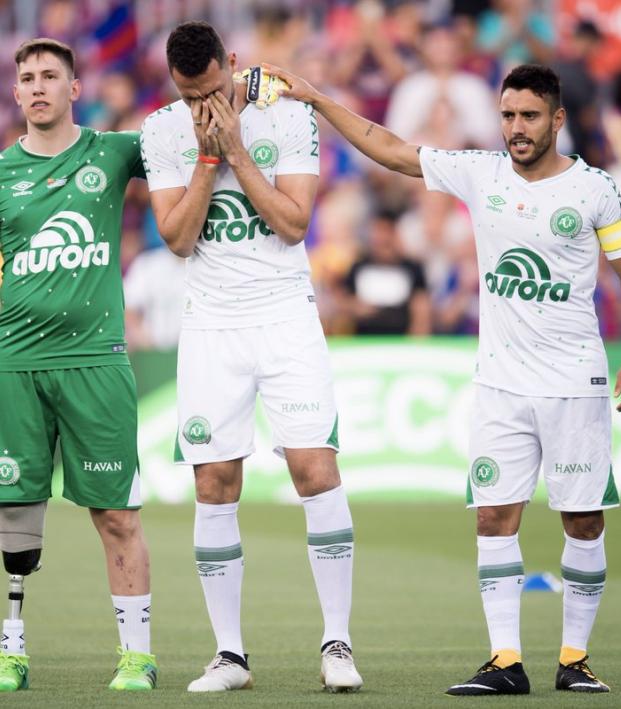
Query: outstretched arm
x=373, y=140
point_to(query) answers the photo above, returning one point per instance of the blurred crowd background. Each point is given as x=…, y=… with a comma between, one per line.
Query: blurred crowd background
x=387, y=256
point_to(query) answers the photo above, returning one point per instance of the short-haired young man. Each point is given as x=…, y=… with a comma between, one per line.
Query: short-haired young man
x=542, y=395
x=232, y=187
x=63, y=363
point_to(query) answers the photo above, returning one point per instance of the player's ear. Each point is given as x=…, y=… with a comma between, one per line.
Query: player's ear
x=16, y=95
x=232, y=60
x=76, y=89
x=558, y=119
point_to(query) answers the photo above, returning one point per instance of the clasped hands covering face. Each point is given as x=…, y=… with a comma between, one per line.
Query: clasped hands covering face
x=205, y=128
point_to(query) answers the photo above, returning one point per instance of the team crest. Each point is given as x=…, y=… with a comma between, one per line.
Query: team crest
x=264, y=153
x=197, y=430
x=566, y=222
x=485, y=472
x=91, y=179
x=9, y=471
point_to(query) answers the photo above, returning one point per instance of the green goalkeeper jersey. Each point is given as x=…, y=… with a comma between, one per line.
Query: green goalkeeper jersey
x=61, y=298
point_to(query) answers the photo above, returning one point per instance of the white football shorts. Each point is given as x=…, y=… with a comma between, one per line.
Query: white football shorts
x=513, y=437
x=220, y=373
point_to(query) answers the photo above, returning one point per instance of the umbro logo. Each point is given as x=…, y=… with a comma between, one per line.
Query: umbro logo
x=20, y=189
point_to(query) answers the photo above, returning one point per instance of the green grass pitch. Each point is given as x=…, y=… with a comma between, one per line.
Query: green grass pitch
x=417, y=623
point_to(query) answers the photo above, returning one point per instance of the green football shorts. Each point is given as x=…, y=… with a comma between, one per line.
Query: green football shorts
x=92, y=411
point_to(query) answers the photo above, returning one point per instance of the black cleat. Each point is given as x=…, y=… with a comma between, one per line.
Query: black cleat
x=577, y=677
x=491, y=679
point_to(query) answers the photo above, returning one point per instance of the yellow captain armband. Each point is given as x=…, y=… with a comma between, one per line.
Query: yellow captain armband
x=610, y=237
x=261, y=87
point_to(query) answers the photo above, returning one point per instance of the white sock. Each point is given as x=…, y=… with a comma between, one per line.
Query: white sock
x=501, y=579
x=331, y=554
x=13, y=637
x=583, y=568
x=133, y=616
x=220, y=566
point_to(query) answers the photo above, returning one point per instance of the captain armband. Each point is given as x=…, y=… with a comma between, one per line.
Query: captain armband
x=610, y=239
x=261, y=87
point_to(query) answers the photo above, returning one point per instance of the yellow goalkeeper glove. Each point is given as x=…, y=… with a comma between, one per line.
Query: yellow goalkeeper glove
x=262, y=88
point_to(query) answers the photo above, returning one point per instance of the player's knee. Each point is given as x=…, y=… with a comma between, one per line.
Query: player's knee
x=21, y=563
x=584, y=525
x=497, y=521
x=117, y=524
x=314, y=474
x=218, y=483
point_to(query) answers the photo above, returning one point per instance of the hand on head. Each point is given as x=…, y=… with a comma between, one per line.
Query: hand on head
x=300, y=89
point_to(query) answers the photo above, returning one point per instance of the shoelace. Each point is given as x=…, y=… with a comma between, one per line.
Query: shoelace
x=129, y=662
x=219, y=661
x=10, y=662
x=339, y=651
x=581, y=666
x=488, y=666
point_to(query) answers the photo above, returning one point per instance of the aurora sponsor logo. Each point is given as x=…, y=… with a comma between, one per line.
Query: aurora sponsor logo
x=66, y=240
x=232, y=217
x=524, y=273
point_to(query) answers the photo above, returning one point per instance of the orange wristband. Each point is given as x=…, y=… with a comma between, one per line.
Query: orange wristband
x=209, y=159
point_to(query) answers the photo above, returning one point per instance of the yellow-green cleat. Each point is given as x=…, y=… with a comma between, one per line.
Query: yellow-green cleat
x=136, y=671
x=13, y=672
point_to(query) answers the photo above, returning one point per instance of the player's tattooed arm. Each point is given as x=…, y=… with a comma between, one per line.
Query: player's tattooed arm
x=373, y=140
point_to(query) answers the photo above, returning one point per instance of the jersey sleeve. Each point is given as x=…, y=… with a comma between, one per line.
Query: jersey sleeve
x=447, y=171
x=127, y=144
x=608, y=220
x=299, y=149
x=158, y=156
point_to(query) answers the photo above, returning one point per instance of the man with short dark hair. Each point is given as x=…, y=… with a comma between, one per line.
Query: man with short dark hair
x=63, y=360
x=233, y=176
x=542, y=395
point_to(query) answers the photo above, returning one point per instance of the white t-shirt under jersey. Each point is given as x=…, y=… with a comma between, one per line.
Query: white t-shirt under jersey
x=538, y=252
x=241, y=274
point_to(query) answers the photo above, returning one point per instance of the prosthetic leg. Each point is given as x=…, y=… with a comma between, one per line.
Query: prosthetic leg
x=21, y=536
x=18, y=564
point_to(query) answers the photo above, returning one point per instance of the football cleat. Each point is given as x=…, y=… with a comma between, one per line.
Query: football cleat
x=577, y=677
x=492, y=679
x=224, y=672
x=136, y=671
x=338, y=672
x=13, y=672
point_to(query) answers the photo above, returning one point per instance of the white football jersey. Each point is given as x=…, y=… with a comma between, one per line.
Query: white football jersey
x=241, y=273
x=538, y=246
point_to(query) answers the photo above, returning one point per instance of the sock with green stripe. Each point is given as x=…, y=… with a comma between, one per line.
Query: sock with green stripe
x=501, y=579
x=583, y=568
x=220, y=566
x=331, y=553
